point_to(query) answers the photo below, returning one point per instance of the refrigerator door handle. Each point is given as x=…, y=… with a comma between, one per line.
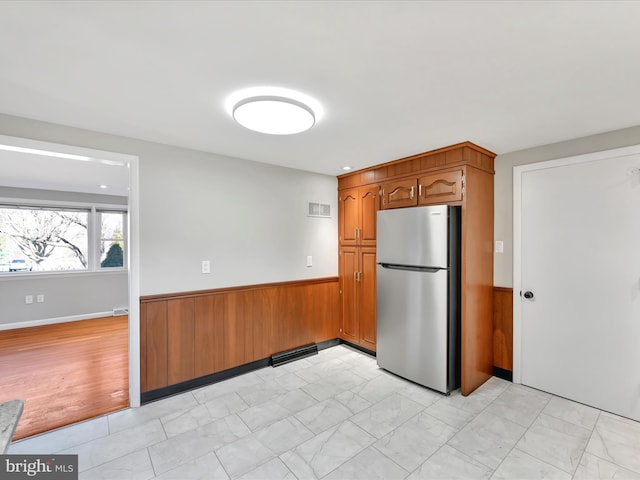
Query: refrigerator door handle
x=393, y=266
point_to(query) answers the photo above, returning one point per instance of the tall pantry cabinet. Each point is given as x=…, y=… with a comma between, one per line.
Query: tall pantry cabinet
x=460, y=174
x=357, y=210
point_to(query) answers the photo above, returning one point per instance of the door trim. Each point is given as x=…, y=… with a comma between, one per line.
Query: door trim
x=518, y=172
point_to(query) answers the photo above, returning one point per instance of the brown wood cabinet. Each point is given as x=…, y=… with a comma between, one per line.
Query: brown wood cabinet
x=461, y=175
x=441, y=187
x=357, y=213
x=400, y=193
x=358, y=288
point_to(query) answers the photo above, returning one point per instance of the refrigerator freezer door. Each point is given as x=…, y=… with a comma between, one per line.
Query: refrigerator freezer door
x=413, y=236
x=412, y=325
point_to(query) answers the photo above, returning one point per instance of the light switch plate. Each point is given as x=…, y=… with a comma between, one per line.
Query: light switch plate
x=309, y=261
x=28, y=299
x=40, y=298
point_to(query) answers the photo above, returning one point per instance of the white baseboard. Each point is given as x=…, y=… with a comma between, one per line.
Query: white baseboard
x=51, y=321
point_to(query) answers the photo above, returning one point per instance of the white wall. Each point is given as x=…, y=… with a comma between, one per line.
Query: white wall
x=503, y=192
x=249, y=219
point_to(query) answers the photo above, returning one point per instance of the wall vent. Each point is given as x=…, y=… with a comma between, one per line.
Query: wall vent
x=120, y=311
x=319, y=210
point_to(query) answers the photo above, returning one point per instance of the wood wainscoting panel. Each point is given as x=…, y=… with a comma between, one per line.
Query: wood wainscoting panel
x=209, y=334
x=180, y=346
x=503, y=328
x=235, y=330
x=154, y=324
x=194, y=334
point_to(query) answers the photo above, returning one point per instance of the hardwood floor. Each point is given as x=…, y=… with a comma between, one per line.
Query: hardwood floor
x=65, y=372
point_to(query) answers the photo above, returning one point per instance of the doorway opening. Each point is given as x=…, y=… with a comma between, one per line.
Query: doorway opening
x=65, y=181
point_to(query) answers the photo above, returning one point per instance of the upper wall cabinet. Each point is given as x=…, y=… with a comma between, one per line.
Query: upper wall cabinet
x=441, y=187
x=357, y=213
x=400, y=193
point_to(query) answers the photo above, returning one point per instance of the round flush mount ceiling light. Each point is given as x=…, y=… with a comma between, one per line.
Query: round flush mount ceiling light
x=274, y=115
x=274, y=110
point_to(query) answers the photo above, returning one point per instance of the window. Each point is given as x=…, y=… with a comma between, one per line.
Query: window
x=112, y=246
x=55, y=239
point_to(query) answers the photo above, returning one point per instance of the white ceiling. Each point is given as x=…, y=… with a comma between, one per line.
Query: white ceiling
x=25, y=170
x=395, y=78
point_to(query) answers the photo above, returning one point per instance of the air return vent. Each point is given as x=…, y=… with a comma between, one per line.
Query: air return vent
x=319, y=210
x=295, y=354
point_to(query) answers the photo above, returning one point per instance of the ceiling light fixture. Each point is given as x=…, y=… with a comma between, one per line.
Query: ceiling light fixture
x=346, y=167
x=274, y=115
x=274, y=110
x=102, y=186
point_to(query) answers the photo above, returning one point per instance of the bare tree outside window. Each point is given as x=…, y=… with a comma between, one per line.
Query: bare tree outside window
x=50, y=239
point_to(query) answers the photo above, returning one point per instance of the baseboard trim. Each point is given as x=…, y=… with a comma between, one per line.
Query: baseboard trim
x=358, y=347
x=153, y=395
x=176, y=388
x=502, y=373
x=52, y=321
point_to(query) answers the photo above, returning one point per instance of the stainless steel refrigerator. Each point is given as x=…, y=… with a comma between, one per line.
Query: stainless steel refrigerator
x=418, y=294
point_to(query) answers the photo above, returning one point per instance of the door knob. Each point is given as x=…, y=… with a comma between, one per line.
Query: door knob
x=528, y=294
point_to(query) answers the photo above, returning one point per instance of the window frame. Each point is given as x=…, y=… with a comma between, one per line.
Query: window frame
x=94, y=233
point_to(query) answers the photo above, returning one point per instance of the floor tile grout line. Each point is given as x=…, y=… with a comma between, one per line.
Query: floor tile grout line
x=514, y=447
x=586, y=445
x=472, y=458
x=373, y=445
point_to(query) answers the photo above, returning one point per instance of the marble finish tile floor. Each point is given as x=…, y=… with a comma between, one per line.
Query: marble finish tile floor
x=336, y=415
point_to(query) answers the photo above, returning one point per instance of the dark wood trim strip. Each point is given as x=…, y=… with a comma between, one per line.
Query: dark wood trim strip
x=259, y=286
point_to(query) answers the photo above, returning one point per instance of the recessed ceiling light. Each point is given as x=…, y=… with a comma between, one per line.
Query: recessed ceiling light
x=102, y=186
x=346, y=167
x=274, y=115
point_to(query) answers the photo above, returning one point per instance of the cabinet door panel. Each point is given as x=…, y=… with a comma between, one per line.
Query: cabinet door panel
x=348, y=268
x=440, y=188
x=400, y=193
x=349, y=219
x=367, y=298
x=180, y=341
x=369, y=204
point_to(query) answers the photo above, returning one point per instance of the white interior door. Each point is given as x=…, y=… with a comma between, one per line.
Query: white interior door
x=580, y=258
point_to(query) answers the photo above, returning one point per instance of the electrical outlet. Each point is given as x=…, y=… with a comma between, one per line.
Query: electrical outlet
x=40, y=298
x=206, y=266
x=28, y=299
x=499, y=246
